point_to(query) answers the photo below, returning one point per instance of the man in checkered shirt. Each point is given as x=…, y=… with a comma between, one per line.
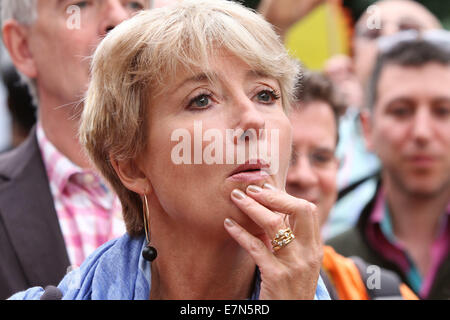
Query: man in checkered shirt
x=54, y=209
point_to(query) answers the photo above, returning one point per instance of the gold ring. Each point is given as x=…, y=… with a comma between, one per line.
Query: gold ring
x=282, y=239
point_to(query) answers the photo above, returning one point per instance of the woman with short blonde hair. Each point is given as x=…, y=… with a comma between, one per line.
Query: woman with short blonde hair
x=138, y=61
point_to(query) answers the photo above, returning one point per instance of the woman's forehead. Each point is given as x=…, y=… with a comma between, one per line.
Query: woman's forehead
x=213, y=70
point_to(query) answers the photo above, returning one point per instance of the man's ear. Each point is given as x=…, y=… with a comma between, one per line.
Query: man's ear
x=132, y=177
x=365, y=118
x=16, y=39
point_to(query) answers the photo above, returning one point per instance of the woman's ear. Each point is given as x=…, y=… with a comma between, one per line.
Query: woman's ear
x=132, y=177
x=16, y=40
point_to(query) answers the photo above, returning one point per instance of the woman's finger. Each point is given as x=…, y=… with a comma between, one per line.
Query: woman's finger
x=280, y=201
x=261, y=255
x=294, y=278
x=269, y=221
x=302, y=213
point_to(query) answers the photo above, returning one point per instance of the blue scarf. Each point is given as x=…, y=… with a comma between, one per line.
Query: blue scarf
x=117, y=271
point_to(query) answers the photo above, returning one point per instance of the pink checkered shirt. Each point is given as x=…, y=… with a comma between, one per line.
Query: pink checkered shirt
x=89, y=213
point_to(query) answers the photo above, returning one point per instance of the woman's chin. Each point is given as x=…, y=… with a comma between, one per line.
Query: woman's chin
x=247, y=223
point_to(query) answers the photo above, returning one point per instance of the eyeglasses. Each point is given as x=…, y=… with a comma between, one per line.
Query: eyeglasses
x=318, y=159
x=437, y=37
x=372, y=32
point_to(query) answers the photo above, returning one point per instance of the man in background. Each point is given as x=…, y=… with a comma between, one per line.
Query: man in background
x=54, y=209
x=405, y=227
x=312, y=176
x=356, y=180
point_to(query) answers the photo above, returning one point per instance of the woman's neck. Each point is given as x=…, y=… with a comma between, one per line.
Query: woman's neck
x=206, y=266
x=203, y=274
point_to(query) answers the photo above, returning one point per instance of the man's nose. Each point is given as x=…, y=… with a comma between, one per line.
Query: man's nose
x=113, y=13
x=422, y=126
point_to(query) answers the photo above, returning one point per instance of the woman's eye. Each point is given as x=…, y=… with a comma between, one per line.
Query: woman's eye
x=200, y=102
x=136, y=5
x=267, y=96
x=81, y=4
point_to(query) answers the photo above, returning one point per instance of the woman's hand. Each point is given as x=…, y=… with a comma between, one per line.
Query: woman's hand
x=292, y=271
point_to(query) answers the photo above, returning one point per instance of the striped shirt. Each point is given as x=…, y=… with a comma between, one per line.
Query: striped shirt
x=89, y=213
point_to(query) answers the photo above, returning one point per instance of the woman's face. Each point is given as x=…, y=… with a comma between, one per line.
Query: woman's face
x=195, y=154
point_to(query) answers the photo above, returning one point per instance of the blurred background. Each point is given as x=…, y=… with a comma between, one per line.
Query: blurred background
x=325, y=32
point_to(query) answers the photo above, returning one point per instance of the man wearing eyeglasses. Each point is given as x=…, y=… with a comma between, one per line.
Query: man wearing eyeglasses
x=406, y=226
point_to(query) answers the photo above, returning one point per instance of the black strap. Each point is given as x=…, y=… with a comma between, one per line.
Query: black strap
x=329, y=285
x=381, y=284
x=342, y=193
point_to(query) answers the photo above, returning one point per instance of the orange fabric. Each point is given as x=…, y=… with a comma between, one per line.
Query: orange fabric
x=347, y=280
x=344, y=275
x=407, y=293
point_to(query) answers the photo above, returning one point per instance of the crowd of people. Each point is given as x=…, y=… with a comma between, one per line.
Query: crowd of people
x=344, y=172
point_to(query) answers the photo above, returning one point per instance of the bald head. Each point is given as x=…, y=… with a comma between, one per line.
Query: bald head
x=394, y=16
x=386, y=17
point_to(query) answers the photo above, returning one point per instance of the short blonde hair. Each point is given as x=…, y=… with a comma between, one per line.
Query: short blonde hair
x=140, y=56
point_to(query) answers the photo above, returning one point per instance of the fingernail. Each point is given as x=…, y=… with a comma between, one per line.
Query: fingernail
x=229, y=222
x=269, y=186
x=238, y=194
x=254, y=189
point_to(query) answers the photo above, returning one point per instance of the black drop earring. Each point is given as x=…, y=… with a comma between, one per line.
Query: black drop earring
x=149, y=253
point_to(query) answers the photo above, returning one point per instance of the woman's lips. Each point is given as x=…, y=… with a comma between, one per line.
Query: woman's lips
x=249, y=176
x=250, y=171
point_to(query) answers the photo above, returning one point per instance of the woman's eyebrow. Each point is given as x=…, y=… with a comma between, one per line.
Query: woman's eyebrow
x=200, y=77
x=209, y=77
x=61, y=3
x=255, y=74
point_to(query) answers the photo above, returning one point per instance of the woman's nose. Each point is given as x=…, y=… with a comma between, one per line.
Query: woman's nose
x=114, y=13
x=250, y=118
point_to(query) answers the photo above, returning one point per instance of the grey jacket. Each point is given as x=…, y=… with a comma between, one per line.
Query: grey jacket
x=32, y=248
